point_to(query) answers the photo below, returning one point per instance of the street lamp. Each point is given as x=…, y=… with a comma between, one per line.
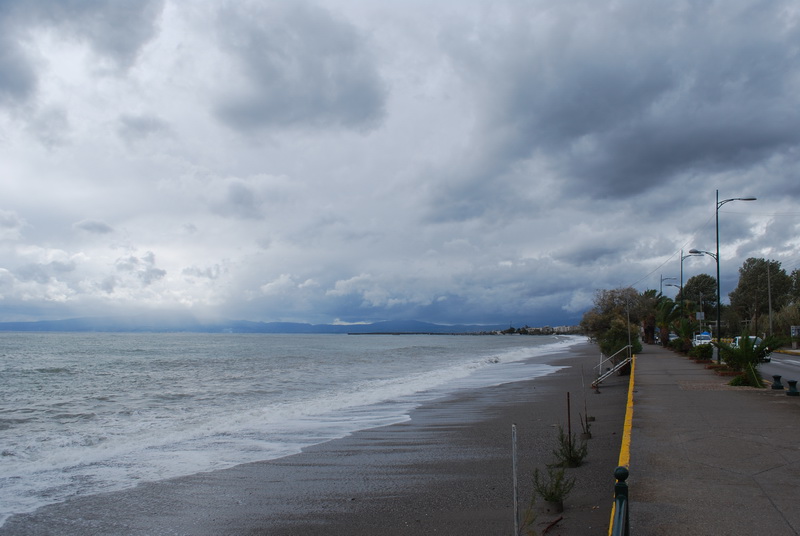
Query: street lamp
x=716, y=256
x=661, y=288
x=719, y=204
x=683, y=257
x=667, y=334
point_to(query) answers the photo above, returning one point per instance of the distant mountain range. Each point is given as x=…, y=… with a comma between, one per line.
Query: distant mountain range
x=188, y=324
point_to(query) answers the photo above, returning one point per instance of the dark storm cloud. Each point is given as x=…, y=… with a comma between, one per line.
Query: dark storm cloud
x=303, y=68
x=587, y=255
x=43, y=273
x=144, y=268
x=136, y=127
x=619, y=98
x=17, y=77
x=92, y=226
x=240, y=201
x=10, y=223
x=446, y=161
x=51, y=127
x=114, y=30
x=211, y=272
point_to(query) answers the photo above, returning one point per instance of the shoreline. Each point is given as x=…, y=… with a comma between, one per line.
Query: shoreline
x=447, y=470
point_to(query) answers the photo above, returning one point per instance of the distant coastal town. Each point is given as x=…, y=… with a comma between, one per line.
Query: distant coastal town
x=545, y=330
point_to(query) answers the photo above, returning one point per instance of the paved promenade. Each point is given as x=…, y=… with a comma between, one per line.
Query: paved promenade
x=708, y=458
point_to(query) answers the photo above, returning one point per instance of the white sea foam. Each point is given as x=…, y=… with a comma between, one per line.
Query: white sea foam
x=87, y=413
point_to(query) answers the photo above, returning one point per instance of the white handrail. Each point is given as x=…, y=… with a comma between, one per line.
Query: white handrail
x=611, y=371
x=612, y=357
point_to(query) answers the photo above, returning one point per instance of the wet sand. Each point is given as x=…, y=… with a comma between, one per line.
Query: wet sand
x=446, y=471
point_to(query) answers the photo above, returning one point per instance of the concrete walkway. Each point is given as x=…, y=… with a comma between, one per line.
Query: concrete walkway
x=708, y=458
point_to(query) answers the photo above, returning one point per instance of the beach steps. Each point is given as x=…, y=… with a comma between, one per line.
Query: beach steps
x=610, y=371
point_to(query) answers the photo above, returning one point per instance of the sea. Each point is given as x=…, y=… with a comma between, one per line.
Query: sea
x=87, y=413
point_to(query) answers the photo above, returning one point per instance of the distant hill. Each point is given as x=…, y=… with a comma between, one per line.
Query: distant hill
x=168, y=324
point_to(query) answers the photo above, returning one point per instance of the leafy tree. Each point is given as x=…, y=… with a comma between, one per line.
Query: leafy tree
x=684, y=328
x=786, y=318
x=649, y=301
x=701, y=290
x=607, y=322
x=731, y=321
x=667, y=314
x=794, y=294
x=758, y=279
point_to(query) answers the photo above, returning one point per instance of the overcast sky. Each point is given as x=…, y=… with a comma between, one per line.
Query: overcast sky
x=362, y=160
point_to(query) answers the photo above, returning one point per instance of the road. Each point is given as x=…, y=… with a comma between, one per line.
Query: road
x=787, y=366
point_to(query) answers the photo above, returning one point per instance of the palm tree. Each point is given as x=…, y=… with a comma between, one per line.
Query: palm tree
x=667, y=313
x=746, y=356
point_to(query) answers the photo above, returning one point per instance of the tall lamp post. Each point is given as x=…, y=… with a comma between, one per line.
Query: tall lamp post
x=683, y=257
x=719, y=204
x=676, y=286
x=673, y=285
x=661, y=290
x=716, y=256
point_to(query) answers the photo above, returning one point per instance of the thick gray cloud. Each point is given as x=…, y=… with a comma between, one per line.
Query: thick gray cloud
x=133, y=128
x=144, y=268
x=10, y=225
x=356, y=161
x=93, y=226
x=300, y=66
x=17, y=76
x=114, y=30
x=622, y=97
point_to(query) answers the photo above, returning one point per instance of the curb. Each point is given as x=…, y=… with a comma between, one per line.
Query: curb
x=625, y=446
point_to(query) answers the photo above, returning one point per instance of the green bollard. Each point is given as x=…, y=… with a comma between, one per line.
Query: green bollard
x=776, y=384
x=621, y=522
x=792, y=388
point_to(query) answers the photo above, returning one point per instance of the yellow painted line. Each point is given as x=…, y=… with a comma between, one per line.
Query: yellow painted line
x=625, y=447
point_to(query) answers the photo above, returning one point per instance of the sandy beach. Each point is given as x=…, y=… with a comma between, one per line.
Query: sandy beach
x=445, y=471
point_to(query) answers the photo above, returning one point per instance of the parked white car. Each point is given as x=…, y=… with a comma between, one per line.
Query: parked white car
x=701, y=338
x=756, y=342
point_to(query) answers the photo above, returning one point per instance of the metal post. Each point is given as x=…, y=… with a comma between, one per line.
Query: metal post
x=682, y=257
x=719, y=325
x=620, y=525
x=628, y=315
x=769, y=297
x=719, y=305
x=514, y=469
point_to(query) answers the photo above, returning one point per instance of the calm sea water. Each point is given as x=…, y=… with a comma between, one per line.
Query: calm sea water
x=87, y=413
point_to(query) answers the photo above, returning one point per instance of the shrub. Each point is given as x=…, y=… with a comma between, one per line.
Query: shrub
x=555, y=487
x=739, y=381
x=704, y=351
x=681, y=345
x=749, y=378
x=568, y=453
x=749, y=353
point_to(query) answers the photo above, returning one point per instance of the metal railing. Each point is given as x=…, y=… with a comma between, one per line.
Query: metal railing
x=599, y=365
x=619, y=524
x=603, y=375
